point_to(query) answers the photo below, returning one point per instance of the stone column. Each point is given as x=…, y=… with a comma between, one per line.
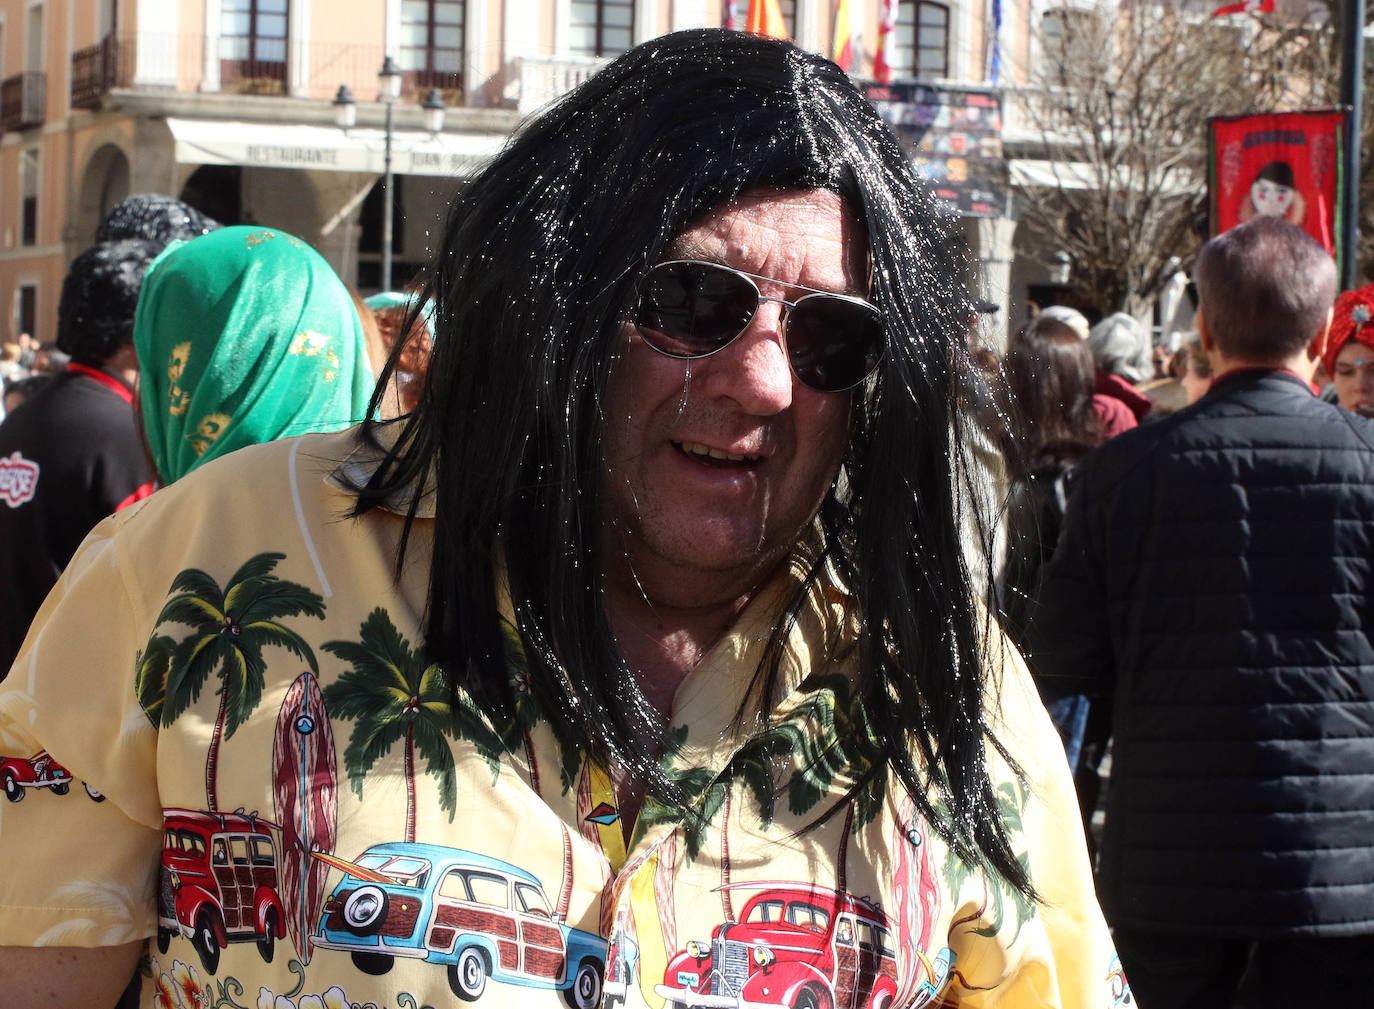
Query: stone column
x=991, y=239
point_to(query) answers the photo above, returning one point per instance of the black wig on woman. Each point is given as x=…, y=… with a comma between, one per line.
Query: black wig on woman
x=538, y=268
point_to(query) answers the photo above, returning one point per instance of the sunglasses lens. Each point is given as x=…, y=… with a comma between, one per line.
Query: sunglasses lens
x=693, y=309
x=833, y=344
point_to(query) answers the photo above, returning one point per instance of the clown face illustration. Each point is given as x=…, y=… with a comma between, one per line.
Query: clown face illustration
x=1274, y=193
x=1271, y=199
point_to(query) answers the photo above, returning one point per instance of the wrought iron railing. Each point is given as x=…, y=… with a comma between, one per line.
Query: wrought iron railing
x=23, y=100
x=94, y=72
x=542, y=79
x=187, y=62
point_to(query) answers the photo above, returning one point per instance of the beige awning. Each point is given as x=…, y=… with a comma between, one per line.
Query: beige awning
x=323, y=148
x=1027, y=173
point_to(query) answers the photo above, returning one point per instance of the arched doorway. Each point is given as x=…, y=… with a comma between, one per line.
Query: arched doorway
x=103, y=184
x=216, y=190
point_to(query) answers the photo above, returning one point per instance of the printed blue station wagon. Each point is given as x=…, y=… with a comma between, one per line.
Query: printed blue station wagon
x=479, y=916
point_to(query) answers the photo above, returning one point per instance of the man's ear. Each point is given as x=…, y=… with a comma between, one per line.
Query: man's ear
x=1317, y=347
x=1202, y=333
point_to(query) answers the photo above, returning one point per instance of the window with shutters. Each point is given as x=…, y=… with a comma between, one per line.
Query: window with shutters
x=920, y=40
x=601, y=27
x=252, y=42
x=431, y=52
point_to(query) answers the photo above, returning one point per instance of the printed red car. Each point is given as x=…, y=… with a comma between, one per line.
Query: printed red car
x=797, y=946
x=219, y=883
x=38, y=771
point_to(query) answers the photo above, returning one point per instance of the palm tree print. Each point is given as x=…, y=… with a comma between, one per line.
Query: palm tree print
x=230, y=627
x=826, y=734
x=754, y=764
x=393, y=695
x=998, y=895
x=150, y=675
x=834, y=739
x=517, y=733
x=703, y=788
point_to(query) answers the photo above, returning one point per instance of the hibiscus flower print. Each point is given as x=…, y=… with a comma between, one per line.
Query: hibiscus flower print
x=191, y=993
x=164, y=993
x=334, y=998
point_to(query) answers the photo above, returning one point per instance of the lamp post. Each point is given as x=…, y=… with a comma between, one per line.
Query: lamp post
x=1352, y=88
x=1061, y=265
x=346, y=115
x=388, y=90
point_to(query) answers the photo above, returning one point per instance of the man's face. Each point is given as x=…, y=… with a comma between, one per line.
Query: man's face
x=714, y=466
x=1354, y=377
x=1270, y=198
x=1194, y=384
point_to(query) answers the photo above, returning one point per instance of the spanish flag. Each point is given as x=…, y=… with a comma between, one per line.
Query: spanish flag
x=765, y=18
x=1246, y=7
x=842, y=52
x=887, y=21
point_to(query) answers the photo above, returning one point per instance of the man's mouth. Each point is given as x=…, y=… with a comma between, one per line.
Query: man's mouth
x=698, y=452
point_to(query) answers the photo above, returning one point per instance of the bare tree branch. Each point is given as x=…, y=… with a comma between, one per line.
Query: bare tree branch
x=1124, y=97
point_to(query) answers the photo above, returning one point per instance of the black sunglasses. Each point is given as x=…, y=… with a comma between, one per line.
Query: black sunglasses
x=689, y=308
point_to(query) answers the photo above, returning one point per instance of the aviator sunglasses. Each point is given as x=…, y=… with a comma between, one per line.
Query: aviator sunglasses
x=689, y=308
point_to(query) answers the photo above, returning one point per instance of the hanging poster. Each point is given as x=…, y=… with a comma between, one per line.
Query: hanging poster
x=953, y=137
x=1282, y=164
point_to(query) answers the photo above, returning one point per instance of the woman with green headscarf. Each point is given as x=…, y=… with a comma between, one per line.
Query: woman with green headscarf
x=244, y=335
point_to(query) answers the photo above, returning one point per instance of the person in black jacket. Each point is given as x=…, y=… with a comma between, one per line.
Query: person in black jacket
x=1214, y=578
x=72, y=454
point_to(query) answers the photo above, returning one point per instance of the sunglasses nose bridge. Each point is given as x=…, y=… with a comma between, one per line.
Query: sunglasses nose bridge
x=784, y=307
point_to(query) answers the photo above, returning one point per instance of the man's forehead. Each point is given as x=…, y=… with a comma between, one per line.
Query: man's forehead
x=778, y=220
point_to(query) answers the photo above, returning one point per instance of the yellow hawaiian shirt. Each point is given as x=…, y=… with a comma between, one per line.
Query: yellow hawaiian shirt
x=222, y=737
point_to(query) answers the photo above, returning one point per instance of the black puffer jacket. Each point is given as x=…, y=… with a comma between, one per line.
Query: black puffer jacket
x=1216, y=575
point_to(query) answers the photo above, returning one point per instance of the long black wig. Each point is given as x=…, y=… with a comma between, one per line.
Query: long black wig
x=538, y=267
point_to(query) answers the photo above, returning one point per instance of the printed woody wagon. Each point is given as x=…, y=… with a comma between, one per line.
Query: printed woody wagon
x=480, y=917
x=219, y=883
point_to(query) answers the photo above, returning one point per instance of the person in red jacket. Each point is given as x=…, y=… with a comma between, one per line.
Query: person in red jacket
x=1118, y=405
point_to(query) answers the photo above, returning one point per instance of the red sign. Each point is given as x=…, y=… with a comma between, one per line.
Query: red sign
x=1283, y=164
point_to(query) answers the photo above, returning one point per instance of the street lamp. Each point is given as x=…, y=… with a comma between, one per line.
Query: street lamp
x=388, y=90
x=346, y=115
x=434, y=110
x=1060, y=268
x=345, y=108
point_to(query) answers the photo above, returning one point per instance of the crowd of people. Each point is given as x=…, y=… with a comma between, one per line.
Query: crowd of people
x=25, y=367
x=666, y=589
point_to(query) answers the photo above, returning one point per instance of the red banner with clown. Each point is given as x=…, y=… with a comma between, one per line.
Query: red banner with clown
x=1280, y=164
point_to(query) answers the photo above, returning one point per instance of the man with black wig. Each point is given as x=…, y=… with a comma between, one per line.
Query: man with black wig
x=638, y=665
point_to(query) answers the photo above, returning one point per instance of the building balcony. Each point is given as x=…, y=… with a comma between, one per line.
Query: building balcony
x=211, y=64
x=543, y=79
x=1039, y=116
x=23, y=101
x=95, y=71
x=153, y=63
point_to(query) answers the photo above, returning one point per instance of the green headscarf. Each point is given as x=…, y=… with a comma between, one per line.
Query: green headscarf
x=243, y=336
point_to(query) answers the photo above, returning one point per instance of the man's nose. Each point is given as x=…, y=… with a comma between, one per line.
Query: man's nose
x=753, y=371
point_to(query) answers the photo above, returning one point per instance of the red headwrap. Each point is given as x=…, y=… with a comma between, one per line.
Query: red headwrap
x=1352, y=318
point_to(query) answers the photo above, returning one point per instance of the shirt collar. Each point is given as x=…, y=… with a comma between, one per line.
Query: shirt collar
x=356, y=468
x=116, y=385
x=1236, y=375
